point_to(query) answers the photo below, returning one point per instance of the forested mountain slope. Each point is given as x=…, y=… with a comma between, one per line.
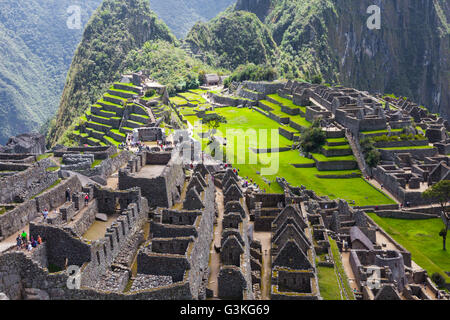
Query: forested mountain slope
x=181, y=15
x=36, y=49
x=115, y=29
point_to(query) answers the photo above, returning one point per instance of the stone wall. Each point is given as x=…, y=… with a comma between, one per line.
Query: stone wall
x=17, y=218
x=26, y=184
x=420, y=154
x=336, y=165
x=55, y=197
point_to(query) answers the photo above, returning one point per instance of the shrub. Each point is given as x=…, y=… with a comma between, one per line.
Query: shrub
x=312, y=139
x=373, y=157
x=150, y=93
x=438, y=279
x=371, y=154
x=252, y=72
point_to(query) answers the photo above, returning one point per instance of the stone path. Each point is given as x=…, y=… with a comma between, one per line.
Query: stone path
x=10, y=241
x=345, y=256
x=214, y=263
x=377, y=185
x=266, y=272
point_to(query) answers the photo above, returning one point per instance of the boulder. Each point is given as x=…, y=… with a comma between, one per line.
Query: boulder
x=101, y=216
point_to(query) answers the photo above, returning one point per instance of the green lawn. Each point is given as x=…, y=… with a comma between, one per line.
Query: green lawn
x=96, y=163
x=340, y=269
x=328, y=283
x=285, y=102
x=421, y=238
x=333, y=140
x=381, y=131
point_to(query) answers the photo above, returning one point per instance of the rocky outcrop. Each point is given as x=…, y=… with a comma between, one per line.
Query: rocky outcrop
x=25, y=143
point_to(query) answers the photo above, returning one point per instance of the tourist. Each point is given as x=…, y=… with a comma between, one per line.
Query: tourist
x=39, y=239
x=24, y=236
x=34, y=243
x=45, y=214
x=68, y=195
x=29, y=246
x=86, y=199
x=19, y=242
x=382, y=186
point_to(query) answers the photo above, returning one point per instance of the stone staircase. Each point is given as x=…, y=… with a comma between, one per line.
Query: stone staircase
x=188, y=49
x=357, y=152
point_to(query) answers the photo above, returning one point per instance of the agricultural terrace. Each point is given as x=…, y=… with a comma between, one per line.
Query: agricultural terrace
x=295, y=168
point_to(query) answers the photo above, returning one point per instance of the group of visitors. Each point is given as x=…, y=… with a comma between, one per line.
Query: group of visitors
x=27, y=244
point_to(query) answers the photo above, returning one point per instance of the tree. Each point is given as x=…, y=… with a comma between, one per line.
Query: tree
x=312, y=139
x=214, y=120
x=441, y=192
x=371, y=154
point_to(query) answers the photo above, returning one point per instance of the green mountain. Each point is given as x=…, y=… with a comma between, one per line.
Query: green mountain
x=116, y=28
x=232, y=39
x=408, y=56
x=181, y=15
x=36, y=48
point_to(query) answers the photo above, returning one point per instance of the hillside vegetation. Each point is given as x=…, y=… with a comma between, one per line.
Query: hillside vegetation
x=233, y=39
x=36, y=48
x=181, y=15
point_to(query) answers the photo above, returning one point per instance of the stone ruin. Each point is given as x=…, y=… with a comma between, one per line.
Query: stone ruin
x=239, y=265
x=294, y=274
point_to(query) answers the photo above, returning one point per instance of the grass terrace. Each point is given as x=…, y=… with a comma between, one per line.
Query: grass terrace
x=320, y=157
x=192, y=97
x=111, y=140
x=178, y=101
x=345, y=146
x=115, y=97
x=110, y=103
x=286, y=102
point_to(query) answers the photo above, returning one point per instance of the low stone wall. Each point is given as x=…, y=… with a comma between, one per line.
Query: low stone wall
x=264, y=87
x=337, y=152
x=17, y=218
x=396, y=144
x=84, y=222
x=336, y=165
x=405, y=215
x=420, y=154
